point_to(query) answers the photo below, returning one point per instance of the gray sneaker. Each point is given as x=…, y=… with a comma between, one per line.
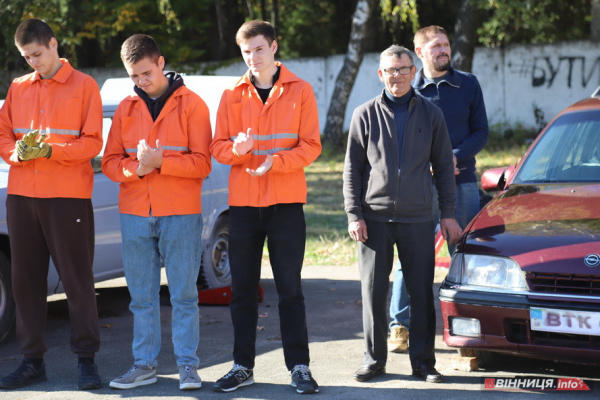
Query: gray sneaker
x=303, y=381
x=138, y=375
x=188, y=378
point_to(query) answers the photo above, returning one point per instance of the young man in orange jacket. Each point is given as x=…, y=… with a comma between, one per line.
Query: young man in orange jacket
x=158, y=149
x=268, y=131
x=49, y=205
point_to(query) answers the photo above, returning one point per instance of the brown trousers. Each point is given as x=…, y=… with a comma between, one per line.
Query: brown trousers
x=61, y=228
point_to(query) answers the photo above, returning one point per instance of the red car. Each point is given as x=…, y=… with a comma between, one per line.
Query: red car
x=525, y=279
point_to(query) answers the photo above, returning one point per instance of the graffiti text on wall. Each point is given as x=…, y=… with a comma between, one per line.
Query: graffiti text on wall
x=575, y=69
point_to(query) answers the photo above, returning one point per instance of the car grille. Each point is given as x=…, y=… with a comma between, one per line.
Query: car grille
x=518, y=331
x=564, y=283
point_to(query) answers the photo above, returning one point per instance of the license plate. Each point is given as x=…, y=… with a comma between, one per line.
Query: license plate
x=565, y=321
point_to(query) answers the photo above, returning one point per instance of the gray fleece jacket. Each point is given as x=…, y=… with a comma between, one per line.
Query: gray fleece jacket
x=374, y=187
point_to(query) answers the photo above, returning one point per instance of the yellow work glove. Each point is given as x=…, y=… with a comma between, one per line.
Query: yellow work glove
x=29, y=147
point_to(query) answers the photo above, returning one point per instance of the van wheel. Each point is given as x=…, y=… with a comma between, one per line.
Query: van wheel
x=7, y=302
x=215, y=260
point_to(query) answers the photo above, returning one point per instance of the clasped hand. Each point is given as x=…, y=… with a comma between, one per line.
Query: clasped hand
x=30, y=147
x=149, y=158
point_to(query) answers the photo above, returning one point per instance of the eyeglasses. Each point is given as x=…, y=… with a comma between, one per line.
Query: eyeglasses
x=401, y=71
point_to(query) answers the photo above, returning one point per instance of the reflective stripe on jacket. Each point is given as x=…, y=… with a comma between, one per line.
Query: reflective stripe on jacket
x=183, y=128
x=68, y=108
x=285, y=126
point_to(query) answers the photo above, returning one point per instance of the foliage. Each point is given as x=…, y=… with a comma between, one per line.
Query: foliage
x=503, y=136
x=399, y=14
x=535, y=21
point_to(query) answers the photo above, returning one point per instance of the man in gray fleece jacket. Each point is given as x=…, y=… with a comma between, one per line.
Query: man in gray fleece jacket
x=395, y=141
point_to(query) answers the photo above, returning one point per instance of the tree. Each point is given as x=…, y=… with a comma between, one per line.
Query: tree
x=397, y=12
x=534, y=21
x=595, y=24
x=465, y=35
x=334, y=135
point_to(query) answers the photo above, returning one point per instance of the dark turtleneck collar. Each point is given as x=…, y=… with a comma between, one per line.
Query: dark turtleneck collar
x=401, y=101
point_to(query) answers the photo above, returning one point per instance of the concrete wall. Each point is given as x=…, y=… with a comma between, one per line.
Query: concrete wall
x=521, y=84
x=517, y=81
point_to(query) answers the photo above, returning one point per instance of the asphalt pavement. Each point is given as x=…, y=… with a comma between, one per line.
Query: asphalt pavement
x=336, y=344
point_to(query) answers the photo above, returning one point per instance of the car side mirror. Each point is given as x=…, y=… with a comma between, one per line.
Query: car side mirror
x=492, y=180
x=495, y=179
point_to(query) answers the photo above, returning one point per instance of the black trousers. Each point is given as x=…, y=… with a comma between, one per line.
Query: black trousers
x=284, y=227
x=61, y=228
x=416, y=251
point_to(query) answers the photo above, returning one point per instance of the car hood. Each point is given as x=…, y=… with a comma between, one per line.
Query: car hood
x=542, y=227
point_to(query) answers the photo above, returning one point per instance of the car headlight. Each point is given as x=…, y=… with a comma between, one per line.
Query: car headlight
x=486, y=271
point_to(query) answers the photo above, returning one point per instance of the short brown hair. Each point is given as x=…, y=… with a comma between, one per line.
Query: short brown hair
x=423, y=34
x=137, y=47
x=255, y=28
x=33, y=30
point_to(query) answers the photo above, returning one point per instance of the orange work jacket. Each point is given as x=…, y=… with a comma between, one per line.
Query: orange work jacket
x=286, y=126
x=183, y=128
x=68, y=108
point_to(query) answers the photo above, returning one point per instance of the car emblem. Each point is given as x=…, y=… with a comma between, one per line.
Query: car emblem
x=592, y=260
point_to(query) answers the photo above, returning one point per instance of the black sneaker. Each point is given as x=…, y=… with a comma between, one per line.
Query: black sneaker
x=88, y=374
x=238, y=376
x=27, y=373
x=303, y=381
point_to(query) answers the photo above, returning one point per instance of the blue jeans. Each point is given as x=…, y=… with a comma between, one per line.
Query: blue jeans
x=467, y=206
x=176, y=241
x=400, y=302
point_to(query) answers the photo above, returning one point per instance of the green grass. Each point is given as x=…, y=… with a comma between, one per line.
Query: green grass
x=327, y=240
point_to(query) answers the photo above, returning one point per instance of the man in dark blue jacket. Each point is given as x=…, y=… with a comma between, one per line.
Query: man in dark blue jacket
x=393, y=140
x=459, y=96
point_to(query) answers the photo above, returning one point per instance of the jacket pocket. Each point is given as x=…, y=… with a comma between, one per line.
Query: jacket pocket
x=129, y=134
x=234, y=119
x=67, y=114
x=177, y=129
x=21, y=112
x=288, y=117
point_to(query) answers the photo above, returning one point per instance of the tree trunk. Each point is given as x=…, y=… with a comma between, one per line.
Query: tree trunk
x=221, y=28
x=465, y=35
x=275, y=15
x=595, y=23
x=334, y=125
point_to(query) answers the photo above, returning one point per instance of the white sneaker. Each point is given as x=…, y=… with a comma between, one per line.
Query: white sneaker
x=188, y=378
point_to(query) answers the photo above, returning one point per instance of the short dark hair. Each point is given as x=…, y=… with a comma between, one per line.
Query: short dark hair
x=255, y=28
x=139, y=46
x=33, y=30
x=396, y=51
x=423, y=34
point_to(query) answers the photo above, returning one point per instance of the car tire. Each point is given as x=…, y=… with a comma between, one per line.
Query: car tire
x=7, y=301
x=214, y=271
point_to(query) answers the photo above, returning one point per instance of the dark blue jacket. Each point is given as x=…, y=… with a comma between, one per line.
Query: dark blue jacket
x=459, y=96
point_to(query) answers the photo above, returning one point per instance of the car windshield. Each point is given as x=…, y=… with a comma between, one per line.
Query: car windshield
x=569, y=151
